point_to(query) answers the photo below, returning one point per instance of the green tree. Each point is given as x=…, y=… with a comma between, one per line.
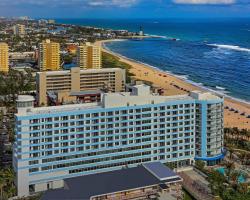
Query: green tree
x=199, y=164
x=2, y=184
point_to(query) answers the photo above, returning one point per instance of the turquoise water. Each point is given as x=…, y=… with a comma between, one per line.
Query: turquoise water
x=241, y=178
x=213, y=53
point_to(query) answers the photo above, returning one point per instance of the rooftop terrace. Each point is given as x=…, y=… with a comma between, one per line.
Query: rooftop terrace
x=141, y=95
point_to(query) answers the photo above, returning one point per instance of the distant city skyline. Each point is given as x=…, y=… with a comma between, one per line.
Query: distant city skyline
x=125, y=8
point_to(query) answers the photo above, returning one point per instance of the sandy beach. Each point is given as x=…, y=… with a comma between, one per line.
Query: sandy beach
x=173, y=85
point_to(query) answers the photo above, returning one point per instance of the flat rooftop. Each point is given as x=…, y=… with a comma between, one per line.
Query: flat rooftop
x=140, y=96
x=82, y=71
x=160, y=171
x=109, y=100
x=86, y=92
x=85, y=187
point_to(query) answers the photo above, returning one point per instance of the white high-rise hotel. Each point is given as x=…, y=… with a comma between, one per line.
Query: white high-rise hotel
x=55, y=143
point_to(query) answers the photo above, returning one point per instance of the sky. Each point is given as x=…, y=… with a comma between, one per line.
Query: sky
x=125, y=8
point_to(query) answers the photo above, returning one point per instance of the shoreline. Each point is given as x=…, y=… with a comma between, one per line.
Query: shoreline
x=171, y=83
x=200, y=86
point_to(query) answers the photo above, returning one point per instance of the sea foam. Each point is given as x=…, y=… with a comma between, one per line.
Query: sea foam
x=230, y=47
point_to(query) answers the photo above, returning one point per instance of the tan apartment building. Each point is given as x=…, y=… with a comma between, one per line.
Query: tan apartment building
x=65, y=84
x=19, y=29
x=89, y=56
x=4, y=57
x=49, y=56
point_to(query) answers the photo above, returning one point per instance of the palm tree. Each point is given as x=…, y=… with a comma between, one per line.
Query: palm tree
x=2, y=185
x=230, y=167
x=230, y=150
x=11, y=191
x=243, y=188
x=243, y=133
x=234, y=179
x=10, y=176
x=243, y=156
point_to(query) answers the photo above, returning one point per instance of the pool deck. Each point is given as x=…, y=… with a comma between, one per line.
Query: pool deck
x=197, y=177
x=196, y=185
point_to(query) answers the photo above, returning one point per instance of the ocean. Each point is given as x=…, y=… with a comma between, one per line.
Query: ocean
x=214, y=53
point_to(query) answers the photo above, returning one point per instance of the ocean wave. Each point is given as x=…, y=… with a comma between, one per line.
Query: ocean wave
x=184, y=77
x=163, y=37
x=219, y=88
x=157, y=36
x=230, y=47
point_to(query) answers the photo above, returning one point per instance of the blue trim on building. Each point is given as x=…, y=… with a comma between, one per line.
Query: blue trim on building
x=204, y=129
x=101, y=109
x=221, y=156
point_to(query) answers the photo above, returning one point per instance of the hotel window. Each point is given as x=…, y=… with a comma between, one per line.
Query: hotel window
x=162, y=107
x=64, y=118
x=161, y=120
x=64, y=150
x=49, y=119
x=117, y=125
x=33, y=170
x=162, y=157
x=95, y=114
x=138, y=110
x=109, y=113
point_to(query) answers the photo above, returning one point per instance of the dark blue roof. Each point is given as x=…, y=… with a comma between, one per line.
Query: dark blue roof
x=85, y=187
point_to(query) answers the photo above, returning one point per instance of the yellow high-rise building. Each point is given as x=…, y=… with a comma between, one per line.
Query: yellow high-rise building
x=49, y=56
x=4, y=57
x=89, y=56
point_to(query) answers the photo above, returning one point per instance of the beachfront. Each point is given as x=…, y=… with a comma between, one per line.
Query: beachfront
x=173, y=85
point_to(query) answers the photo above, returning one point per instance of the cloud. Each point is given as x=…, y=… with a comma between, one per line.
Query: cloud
x=106, y=3
x=198, y=2
x=82, y=3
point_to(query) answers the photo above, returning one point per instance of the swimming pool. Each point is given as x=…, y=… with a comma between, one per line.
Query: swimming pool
x=241, y=178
